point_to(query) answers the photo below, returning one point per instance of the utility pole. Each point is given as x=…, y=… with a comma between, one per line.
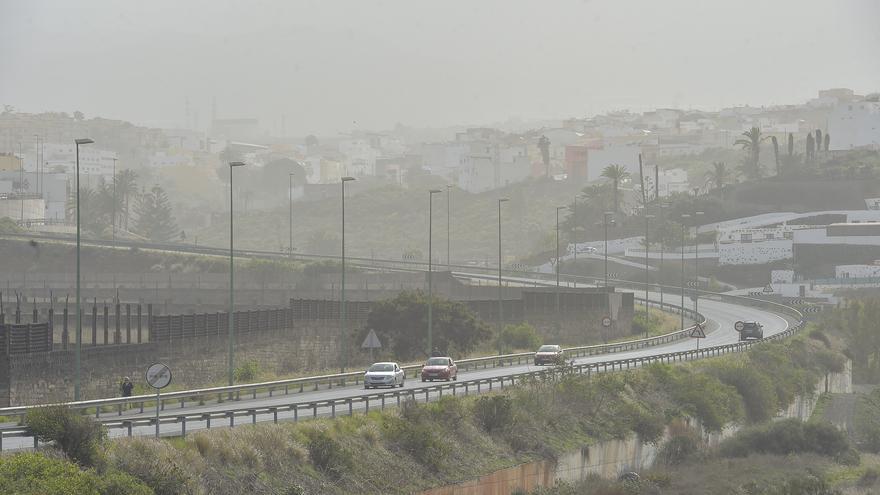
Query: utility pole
x=431, y=194
x=114, y=201
x=500, y=305
x=684, y=218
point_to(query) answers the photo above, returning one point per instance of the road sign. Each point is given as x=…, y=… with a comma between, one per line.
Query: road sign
x=796, y=302
x=768, y=289
x=756, y=293
x=813, y=309
x=695, y=283
x=698, y=332
x=739, y=326
x=372, y=341
x=606, y=321
x=158, y=376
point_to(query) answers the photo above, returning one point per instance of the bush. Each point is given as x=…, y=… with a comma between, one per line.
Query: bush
x=756, y=389
x=645, y=323
x=790, y=436
x=327, y=454
x=78, y=436
x=247, y=371
x=493, y=412
x=36, y=474
x=165, y=469
x=819, y=335
x=522, y=336
x=682, y=445
x=419, y=438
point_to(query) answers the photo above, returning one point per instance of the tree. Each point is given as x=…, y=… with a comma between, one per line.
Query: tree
x=827, y=141
x=155, y=220
x=819, y=140
x=77, y=115
x=811, y=147
x=617, y=174
x=719, y=174
x=751, y=144
x=311, y=142
x=775, y=152
x=544, y=146
x=790, y=144
x=402, y=325
x=126, y=188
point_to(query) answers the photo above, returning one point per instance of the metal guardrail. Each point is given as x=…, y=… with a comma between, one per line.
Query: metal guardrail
x=330, y=407
x=298, y=385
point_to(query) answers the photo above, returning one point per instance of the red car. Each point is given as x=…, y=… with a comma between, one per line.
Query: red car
x=549, y=354
x=439, y=368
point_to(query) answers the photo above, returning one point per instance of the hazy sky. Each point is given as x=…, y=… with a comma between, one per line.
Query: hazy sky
x=331, y=66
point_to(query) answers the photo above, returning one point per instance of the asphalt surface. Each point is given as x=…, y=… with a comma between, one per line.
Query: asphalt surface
x=721, y=316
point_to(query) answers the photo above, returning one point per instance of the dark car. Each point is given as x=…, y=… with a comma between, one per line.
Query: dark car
x=749, y=330
x=549, y=354
x=439, y=368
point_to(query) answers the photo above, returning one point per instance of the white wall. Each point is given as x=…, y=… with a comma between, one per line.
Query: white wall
x=755, y=253
x=856, y=271
x=855, y=124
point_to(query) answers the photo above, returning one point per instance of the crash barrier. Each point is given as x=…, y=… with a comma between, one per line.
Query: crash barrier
x=296, y=411
x=297, y=385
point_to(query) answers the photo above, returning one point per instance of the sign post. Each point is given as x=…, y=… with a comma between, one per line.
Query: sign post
x=699, y=332
x=371, y=342
x=158, y=376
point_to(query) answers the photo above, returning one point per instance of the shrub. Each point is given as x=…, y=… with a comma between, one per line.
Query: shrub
x=36, y=474
x=522, y=336
x=78, y=436
x=756, y=389
x=165, y=469
x=327, y=454
x=648, y=425
x=247, y=371
x=682, y=445
x=645, y=323
x=493, y=412
x=790, y=436
x=819, y=335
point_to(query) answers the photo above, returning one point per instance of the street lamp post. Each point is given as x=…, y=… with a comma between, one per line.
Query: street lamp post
x=558, y=259
x=231, y=327
x=606, y=215
x=290, y=214
x=684, y=218
x=660, y=208
x=647, y=278
x=448, y=228
x=342, y=330
x=697, y=260
x=500, y=306
x=114, y=201
x=77, y=380
x=431, y=194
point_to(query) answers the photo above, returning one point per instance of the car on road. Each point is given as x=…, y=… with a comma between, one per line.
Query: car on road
x=549, y=354
x=387, y=374
x=439, y=368
x=749, y=330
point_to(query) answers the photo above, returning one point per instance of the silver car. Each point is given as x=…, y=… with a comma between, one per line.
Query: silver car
x=384, y=375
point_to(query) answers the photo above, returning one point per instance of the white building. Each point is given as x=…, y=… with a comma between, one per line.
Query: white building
x=93, y=161
x=855, y=124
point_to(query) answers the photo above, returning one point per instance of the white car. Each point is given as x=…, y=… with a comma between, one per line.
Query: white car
x=384, y=375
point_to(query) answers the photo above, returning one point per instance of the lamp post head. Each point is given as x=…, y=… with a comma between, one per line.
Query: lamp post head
x=435, y=191
x=609, y=213
x=346, y=179
x=502, y=200
x=83, y=141
x=699, y=213
x=685, y=215
x=561, y=208
x=237, y=164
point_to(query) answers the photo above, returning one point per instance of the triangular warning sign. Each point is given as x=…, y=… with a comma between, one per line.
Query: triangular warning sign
x=372, y=341
x=698, y=332
x=768, y=288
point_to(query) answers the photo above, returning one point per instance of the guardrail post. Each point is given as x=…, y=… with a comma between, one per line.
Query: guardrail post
x=333, y=409
x=182, y=420
x=295, y=413
x=253, y=416
x=315, y=411
x=350, y=412
x=274, y=414
x=366, y=405
x=208, y=420
x=231, y=418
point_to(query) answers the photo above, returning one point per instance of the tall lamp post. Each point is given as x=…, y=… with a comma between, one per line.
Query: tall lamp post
x=77, y=380
x=684, y=219
x=500, y=306
x=605, y=218
x=114, y=201
x=448, y=228
x=697, y=260
x=648, y=218
x=290, y=214
x=431, y=194
x=231, y=327
x=558, y=259
x=342, y=330
x=660, y=208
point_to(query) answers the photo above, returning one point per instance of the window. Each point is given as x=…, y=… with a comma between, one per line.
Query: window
x=745, y=238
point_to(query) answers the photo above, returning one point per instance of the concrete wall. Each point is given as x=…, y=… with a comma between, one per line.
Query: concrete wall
x=39, y=378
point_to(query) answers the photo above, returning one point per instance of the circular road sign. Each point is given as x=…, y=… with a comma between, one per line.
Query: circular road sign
x=158, y=375
x=738, y=326
x=606, y=321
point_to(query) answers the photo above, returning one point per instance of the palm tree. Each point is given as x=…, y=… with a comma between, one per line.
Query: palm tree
x=617, y=173
x=775, y=152
x=544, y=146
x=751, y=144
x=719, y=175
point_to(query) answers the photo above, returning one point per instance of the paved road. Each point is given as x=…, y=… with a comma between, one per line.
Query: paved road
x=721, y=317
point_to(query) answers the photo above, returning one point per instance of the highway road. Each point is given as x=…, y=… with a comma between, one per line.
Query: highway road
x=721, y=317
